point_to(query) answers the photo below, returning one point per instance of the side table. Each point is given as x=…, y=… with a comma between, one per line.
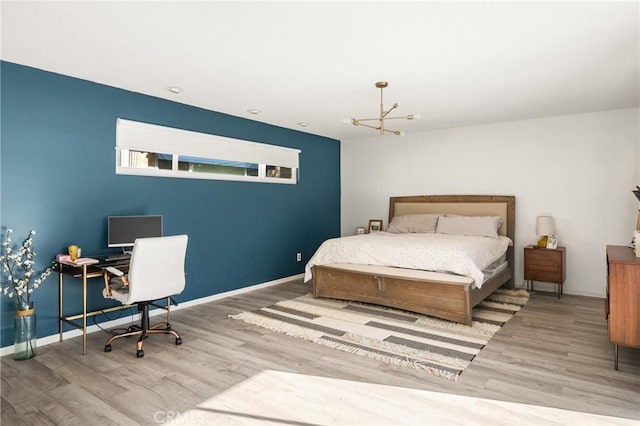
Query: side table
x=546, y=265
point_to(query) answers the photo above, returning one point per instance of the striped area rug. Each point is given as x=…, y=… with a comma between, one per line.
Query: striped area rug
x=393, y=336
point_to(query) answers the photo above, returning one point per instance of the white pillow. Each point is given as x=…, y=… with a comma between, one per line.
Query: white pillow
x=413, y=223
x=479, y=226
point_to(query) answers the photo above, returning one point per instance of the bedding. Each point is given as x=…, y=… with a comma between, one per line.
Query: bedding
x=480, y=226
x=409, y=223
x=459, y=254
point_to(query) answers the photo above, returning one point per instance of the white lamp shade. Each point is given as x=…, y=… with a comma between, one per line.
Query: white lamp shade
x=545, y=225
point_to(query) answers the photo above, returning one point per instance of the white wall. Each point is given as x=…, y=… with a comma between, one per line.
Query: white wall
x=579, y=168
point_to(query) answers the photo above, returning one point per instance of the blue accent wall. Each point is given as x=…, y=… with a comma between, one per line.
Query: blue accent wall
x=58, y=177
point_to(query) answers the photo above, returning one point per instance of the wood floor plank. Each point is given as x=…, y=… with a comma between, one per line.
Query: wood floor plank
x=553, y=353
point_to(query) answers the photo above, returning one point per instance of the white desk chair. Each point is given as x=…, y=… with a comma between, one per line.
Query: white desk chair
x=156, y=271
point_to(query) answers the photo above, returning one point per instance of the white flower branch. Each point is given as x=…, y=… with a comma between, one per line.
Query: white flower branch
x=17, y=270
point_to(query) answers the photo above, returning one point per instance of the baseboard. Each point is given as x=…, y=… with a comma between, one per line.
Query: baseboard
x=43, y=341
x=544, y=287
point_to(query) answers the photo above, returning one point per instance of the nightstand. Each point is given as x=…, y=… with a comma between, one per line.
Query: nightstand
x=546, y=265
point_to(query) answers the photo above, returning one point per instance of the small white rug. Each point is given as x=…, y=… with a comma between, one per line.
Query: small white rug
x=401, y=338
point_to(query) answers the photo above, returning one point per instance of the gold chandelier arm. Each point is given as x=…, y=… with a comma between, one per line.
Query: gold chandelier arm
x=367, y=125
x=406, y=117
x=379, y=128
x=366, y=119
x=384, y=115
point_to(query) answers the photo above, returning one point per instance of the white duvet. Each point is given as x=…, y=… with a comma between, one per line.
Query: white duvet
x=459, y=254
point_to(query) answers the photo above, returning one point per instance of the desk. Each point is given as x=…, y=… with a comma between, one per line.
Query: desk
x=85, y=273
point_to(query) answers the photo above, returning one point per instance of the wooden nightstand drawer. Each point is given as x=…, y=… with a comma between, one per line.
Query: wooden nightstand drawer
x=544, y=258
x=549, y=276
x=546, y=265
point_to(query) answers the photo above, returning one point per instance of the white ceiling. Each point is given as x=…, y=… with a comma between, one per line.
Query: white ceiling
x=455, y=63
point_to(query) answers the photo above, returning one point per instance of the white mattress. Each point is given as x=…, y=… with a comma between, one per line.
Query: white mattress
x=461, y=255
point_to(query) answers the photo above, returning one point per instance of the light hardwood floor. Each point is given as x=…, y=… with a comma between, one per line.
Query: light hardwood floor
x=554, y=353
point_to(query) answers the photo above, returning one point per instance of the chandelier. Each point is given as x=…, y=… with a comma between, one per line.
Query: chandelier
x=383, y=116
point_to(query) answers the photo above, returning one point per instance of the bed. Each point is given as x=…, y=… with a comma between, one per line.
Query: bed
x=442, y=295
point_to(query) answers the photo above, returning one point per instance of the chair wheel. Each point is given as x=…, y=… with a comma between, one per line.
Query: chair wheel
x=107, y=348
x=139, y=353
x=178, y=341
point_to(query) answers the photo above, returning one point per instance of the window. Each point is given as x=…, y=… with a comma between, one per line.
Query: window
x=215, y=166
x=151, y=150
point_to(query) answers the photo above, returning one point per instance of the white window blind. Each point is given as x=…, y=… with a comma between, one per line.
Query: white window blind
x=157, y=143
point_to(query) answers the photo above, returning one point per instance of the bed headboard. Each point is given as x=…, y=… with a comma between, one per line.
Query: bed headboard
x=468, y=205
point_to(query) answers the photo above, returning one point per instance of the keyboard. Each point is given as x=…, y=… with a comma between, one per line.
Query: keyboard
x=117, y=258
x=117, y=264
x=122, y=264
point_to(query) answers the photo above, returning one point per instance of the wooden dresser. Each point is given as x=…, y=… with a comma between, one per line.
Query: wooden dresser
x=623, y=298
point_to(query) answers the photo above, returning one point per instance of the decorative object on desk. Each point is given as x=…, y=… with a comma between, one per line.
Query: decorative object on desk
x=18, y=283
x=78, y=262
x=375, y=225
x=360, y=230
x=552, y=241
x=86, y=261
x=545, y=226
x=74, y=252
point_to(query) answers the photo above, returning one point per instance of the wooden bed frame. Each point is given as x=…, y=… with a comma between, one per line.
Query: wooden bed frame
x=420, y=291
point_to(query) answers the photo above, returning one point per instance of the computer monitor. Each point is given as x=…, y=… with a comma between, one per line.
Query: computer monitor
x=122, y=231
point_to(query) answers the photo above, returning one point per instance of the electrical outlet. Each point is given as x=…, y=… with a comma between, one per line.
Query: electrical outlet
x=298, y=257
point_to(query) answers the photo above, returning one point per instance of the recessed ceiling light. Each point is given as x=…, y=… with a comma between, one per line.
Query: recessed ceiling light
x=175, y=89
x=303, y=124
x=254, y=111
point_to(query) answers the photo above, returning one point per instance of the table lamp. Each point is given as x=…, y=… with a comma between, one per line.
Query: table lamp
x=544, y=227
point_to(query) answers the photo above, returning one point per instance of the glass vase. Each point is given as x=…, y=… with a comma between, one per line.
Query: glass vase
x=25, y=341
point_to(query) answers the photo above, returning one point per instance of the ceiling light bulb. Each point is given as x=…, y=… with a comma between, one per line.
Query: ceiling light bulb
x=303, y=124
x=175, y=89
x=253, y=111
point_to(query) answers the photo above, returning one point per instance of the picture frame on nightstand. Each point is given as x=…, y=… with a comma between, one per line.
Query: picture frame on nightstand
x=375, y=225
x=552, y=241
